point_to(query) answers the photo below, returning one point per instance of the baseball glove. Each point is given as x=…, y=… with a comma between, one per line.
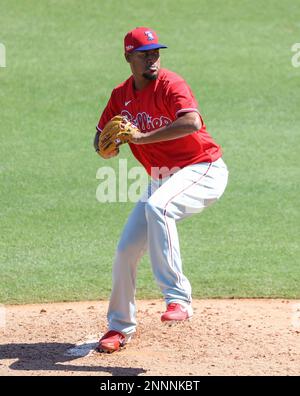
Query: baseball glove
x=116, y=132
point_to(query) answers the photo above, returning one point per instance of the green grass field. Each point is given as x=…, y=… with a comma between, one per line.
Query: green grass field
x=63, y=59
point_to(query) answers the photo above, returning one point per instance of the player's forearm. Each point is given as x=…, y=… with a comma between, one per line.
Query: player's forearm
x=188, y=123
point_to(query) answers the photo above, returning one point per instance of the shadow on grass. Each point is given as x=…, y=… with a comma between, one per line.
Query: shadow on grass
x=53, y=357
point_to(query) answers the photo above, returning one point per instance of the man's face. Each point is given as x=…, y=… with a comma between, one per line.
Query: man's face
x=144, y=63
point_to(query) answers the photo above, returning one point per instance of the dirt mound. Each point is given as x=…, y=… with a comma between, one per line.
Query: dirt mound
x=224, y=337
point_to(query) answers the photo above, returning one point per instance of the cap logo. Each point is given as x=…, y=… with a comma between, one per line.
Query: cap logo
x=129, y=47
x=149, y=35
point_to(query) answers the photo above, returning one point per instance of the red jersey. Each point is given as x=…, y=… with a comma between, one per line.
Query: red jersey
x=157, y=105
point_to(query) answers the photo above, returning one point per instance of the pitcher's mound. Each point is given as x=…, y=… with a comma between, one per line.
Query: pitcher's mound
x=224, y=337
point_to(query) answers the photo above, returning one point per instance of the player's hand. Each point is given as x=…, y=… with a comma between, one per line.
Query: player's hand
x=104, y=155
x=117, y=131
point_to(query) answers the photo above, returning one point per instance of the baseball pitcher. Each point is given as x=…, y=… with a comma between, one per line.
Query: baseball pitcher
x=156, y=113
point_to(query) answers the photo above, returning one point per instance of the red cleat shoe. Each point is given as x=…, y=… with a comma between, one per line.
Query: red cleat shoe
x=111, y=341
x=177, y=312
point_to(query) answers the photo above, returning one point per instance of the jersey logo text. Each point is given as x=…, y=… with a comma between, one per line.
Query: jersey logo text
x=145, y=122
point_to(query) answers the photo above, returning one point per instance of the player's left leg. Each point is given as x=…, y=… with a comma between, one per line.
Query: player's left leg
x=121, y=313
x=187, y=192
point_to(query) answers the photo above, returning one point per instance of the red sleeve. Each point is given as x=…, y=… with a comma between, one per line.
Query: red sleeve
x=180, y=98
x=109, y=112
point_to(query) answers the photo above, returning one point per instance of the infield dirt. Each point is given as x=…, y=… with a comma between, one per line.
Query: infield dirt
x=224, y=337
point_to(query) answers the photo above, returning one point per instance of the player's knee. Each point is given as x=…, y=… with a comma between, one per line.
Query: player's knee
x=127, y=256
x=124, y=247
x=123, y=256
x=153, y=209
x=127, y=247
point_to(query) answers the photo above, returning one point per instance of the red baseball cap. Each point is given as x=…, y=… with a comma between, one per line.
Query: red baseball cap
x=141, y=39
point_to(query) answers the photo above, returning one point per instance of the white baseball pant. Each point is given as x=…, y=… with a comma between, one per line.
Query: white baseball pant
x=152, y=226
